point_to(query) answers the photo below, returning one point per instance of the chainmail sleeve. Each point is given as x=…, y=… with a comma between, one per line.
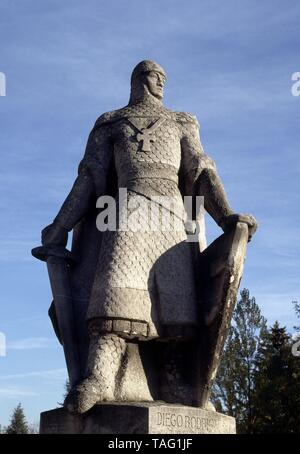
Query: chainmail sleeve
x=91, y=181
x=194, y=160
x=199, y=172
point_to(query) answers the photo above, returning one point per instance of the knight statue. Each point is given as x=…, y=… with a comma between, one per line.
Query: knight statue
x=142, y=313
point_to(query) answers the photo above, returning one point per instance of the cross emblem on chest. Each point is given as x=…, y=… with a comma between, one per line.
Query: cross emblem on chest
x=145, y=135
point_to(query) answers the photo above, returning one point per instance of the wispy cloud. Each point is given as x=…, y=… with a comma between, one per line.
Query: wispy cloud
x=16, y=250
x=16, y=392
x=31, y=343
x=53, y=374
x=277, y=306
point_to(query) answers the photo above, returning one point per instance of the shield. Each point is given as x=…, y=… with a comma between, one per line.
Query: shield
x=221, y=266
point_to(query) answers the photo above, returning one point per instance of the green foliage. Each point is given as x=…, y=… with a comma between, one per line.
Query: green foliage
x=67, y=390
x=297, y=310
x=259, y=378
x=277, y=385
x=234, y=387
x=18, y=423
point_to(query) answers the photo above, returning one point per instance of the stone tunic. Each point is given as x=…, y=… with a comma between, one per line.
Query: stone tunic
x=145, y=281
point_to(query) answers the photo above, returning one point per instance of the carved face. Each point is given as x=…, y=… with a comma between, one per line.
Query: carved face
x=155, y=82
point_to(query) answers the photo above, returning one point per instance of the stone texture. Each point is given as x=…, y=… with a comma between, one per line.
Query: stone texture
x=143, y=314
x=140, y=418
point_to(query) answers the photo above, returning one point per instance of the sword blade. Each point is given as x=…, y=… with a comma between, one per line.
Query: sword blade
x=61, y=290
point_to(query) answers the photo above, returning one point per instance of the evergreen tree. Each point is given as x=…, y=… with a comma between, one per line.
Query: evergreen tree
x=233, y=392
x=67, y=390
x=18, y=423
x=297, y=310
x=277, y=385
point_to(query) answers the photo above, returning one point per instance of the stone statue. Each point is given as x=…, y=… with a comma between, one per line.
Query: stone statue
x=142, y=315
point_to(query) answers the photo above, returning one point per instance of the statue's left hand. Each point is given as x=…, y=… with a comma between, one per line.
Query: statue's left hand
x=248, y=219
x=54, y=235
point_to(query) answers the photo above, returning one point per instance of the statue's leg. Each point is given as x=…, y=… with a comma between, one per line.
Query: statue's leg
x=177, y=377
x=179, y=373
x=104, y=361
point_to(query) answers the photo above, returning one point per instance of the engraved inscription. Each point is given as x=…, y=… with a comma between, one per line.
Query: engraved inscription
x=175, y=420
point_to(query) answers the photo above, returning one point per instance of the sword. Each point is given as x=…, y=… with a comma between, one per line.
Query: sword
x=58, y=261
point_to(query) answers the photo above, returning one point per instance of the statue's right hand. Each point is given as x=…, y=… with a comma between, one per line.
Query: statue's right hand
x=54, y=235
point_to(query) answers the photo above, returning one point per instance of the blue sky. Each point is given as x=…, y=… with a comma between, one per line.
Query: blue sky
x=230, y=63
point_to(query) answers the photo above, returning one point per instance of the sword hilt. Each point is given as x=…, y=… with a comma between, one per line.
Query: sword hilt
x=60, y=252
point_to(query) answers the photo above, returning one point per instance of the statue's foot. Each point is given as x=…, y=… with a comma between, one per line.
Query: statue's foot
x=84, y=396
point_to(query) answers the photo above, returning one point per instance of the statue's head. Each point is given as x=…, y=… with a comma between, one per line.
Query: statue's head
x=148, y=78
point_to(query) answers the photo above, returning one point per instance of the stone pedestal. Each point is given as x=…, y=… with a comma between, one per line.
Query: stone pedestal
x=137, y=418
